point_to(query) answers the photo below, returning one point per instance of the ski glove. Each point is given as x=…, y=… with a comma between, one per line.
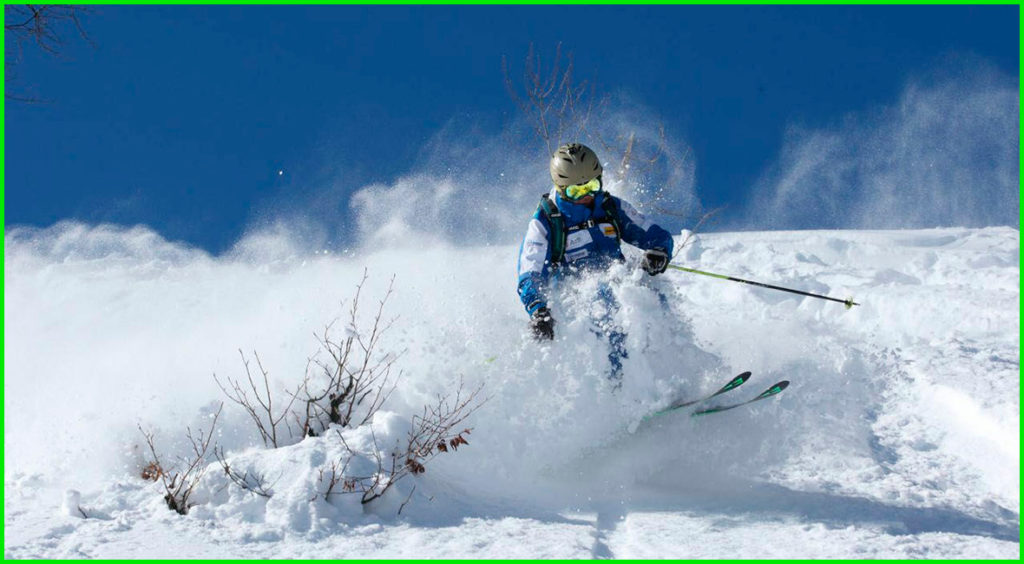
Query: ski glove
x=655, y=261
x=543, y=325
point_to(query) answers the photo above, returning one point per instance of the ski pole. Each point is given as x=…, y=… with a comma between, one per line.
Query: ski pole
x=849, y=303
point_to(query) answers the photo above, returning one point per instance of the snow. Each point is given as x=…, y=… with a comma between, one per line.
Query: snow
x=898, y=437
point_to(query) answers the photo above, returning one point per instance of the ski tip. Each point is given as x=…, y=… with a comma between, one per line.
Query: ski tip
x=734, y=383
x=776, y=388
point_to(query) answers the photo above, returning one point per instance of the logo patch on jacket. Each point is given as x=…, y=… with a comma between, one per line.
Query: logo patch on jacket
x=609, y=229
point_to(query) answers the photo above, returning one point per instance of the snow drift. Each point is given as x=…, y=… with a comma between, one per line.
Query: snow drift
x=898, y=437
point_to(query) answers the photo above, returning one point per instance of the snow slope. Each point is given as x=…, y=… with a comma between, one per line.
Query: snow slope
x=899, y=436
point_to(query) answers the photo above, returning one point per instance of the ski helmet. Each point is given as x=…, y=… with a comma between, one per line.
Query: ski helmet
x=574, y=163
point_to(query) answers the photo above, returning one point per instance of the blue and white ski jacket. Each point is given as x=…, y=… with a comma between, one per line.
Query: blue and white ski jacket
x=593, y=247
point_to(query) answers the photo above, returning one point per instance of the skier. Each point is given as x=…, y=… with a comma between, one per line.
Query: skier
x=578, y=227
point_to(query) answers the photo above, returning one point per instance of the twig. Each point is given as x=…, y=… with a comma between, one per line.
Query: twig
x=258, y=487
x=401, y=507
x=260, y=409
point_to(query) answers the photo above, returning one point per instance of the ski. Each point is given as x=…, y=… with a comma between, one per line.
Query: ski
x=732, y=385
x=774, y=390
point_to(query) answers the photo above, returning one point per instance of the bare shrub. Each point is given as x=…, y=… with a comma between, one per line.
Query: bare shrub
x=560, y=109
x=179, y=484
x=557, y=107
x=354, y=381
x=433, y=432
x=346, y=385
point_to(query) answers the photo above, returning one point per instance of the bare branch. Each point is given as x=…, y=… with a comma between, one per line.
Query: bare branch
x=561, y=108
x=261, y=408
x=179, y=484
x=255, y=484
x=37, y=22
x=555, y=106
x=404, y=503
x=696, y=228
x=41, y=26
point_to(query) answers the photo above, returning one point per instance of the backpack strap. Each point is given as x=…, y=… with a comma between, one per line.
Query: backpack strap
x=557, y=233
x=611, y=215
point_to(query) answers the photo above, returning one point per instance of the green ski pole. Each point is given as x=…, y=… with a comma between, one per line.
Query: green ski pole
x=849, y=303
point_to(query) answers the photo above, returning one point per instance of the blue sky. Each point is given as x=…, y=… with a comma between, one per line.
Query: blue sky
x=181, y=117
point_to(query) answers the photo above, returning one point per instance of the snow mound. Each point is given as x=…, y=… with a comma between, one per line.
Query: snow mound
x=296, y=480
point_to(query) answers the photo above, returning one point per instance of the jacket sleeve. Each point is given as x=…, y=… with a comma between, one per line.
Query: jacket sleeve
x=532, y=269
x=638, y=231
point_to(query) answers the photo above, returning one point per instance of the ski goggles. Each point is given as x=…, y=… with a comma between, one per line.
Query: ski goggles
x=578, y=191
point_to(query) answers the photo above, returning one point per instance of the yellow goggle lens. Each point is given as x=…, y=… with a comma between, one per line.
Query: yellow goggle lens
x=577, y=191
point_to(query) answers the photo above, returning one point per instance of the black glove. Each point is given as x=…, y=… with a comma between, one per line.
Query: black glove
x=655, y=261
x=543, y=325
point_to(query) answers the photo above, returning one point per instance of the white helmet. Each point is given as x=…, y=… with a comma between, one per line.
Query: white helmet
x=574, y=163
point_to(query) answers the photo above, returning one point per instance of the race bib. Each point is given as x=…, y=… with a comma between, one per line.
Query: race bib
x=578, y=239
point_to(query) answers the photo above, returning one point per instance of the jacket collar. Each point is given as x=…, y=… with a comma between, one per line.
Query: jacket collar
x=577, y=213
